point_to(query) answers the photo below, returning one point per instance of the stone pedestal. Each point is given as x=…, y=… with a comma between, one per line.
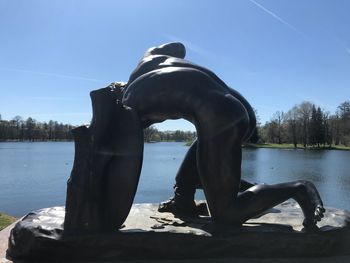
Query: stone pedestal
x=149, y=235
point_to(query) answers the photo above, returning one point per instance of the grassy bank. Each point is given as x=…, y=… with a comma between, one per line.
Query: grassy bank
x=6, y=220
x=299, y=146
x=289, y=146
x=188, y=143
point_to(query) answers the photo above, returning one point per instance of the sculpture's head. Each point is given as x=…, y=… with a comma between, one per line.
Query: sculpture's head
x=173, y=49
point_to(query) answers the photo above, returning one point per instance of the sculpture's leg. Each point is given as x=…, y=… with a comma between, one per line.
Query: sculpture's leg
x=186, y=181
x=221, y=126
x=187, y=177
x=220, y=171
x=227, y=206
x=219, y=156
x=259, y=198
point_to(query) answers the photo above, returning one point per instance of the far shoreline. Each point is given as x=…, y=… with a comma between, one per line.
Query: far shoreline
x=292, y=147
x=246, y=145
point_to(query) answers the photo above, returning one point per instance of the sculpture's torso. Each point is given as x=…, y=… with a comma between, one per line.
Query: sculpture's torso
x=170, y=89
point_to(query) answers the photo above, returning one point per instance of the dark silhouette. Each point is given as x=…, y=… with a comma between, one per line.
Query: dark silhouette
x=166, y=86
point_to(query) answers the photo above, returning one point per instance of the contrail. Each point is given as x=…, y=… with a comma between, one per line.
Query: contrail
x=59, y=114
x=55, y=98
x=343, y=44
x=348, y=50
x=52, y=74
x=275, y=16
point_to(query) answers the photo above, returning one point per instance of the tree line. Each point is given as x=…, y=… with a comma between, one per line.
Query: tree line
x=307, y=124
x=151, y=134
x=18, y=129
x=304, y=124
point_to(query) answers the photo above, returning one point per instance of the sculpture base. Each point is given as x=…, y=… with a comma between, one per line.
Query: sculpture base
x=148, y=235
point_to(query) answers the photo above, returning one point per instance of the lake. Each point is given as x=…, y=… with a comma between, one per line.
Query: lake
x=34, y=175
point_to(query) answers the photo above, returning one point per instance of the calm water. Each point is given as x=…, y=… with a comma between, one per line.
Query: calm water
x=34, y=175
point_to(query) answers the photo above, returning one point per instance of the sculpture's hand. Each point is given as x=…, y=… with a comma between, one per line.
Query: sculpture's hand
x=319, y=213
x=116, y=86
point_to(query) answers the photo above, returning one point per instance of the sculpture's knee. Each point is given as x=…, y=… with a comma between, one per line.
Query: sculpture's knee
x=304, y=186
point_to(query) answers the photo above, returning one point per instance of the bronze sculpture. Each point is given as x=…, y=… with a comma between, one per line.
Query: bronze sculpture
x=223, y=119
x=166, y=86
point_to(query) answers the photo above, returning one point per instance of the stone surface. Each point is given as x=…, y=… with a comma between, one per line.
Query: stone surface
x=149, y=235
x=4, y=237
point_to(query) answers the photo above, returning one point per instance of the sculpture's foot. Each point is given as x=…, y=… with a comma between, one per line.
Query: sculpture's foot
x=183, y=209
x=202, y=209
x=189, y=208
x=310, y=201
x=310, y=222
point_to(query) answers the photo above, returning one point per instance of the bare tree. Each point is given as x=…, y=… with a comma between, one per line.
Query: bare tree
x=148, y=133
x=305, y=110
x=344, y=114
x=278, y=118
x=292, y=117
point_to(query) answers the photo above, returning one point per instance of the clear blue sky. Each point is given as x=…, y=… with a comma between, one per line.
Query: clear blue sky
x=277, y=53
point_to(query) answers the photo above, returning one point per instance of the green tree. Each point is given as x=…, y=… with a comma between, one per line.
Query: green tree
x=320, y=137
x=148, y=133
x=305, y=109
x=29, y=129
x=292, y=125
x=313, y=127
x=344, y=114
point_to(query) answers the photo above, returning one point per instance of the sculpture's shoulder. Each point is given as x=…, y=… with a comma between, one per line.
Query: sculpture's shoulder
x=179, y=62
x=147, y=64
x=154, y=62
